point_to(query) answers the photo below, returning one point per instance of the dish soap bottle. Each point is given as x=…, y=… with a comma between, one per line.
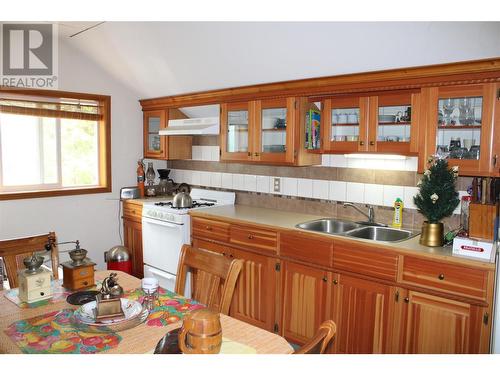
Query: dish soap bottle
x=397, y=220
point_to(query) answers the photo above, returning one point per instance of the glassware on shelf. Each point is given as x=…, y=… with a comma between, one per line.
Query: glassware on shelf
x=448, y=108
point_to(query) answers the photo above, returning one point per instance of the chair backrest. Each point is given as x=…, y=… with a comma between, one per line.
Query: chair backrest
x=213, y=277
x=13, y=251
x=319, y=343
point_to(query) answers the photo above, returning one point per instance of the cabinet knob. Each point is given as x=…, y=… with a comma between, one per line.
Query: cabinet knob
x=223, y=253
x=256, y=154
x=335, y=281
x=42, y=293
x=249, y=154
x=250, y=236
x=231, y=256
x=407, y=300
x=361, y=143
x=441, y=276
x=325, y=279
x=372, y=143
x=208, y=227
x=85, y=283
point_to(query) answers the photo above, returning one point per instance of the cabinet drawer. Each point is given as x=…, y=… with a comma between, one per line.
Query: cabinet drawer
x=132, y=210
x=464, y=281
x=311, y=249
x=365, y=259
x=255, y=238
x=212, y=246
x=211, y=229
x=83, y=283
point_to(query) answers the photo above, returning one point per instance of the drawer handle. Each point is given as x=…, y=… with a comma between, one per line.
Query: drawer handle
x=325, y=279
x=231, y=256
x=407, y=300
x=85, y=283
x=250, y=236
x=335, y=281
x=208, y=227
x=441, y=276
x=361, y=143
x=372, y=143
x=223, y=253
x=249, y=154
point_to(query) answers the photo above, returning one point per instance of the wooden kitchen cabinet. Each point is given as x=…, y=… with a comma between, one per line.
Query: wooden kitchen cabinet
x=254, y=299
x=269, y=131
x=132, y=235
x=437, y=325
x=157, y=146
x=305, y=299
x=361, y=309
x=386, y=123
x=460, y=125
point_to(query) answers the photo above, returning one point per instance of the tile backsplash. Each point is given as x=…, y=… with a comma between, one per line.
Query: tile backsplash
x=311, y=189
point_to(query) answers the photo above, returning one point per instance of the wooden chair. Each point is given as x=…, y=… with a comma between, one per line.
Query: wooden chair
x=13, y=252
x=320, y=341
x=213, y=277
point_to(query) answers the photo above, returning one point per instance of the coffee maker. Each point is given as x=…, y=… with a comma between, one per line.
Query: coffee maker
x=166, y=184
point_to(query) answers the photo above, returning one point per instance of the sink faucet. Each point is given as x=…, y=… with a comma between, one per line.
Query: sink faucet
x=370, y=215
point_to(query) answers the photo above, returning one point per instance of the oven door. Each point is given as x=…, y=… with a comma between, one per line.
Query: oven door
x=162, y=242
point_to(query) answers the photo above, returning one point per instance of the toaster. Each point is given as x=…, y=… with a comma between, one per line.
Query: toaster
x=129, y=192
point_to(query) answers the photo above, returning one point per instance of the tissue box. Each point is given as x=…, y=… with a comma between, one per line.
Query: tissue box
x=472, y=248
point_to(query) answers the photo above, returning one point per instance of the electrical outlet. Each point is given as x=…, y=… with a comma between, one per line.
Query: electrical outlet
x=277, y=185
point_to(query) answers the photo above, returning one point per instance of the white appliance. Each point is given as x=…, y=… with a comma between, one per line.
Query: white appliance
x=165, y=229
x=192, y=126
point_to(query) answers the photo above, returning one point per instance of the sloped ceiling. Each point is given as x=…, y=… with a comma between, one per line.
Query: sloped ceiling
x=166, y=58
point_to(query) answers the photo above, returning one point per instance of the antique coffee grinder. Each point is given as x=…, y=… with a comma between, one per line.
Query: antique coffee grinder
x=34, y=282
x=79, y=272
x=108, y=301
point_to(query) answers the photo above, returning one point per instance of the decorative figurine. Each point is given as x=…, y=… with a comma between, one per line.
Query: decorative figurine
x=108, y=301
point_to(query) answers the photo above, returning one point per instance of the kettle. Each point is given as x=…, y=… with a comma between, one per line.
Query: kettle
x=182, y=200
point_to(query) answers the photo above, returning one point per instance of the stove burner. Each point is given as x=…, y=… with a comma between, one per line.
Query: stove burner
x=194, y=205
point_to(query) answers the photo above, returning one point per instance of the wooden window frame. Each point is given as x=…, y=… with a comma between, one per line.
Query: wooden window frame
x=104, y=145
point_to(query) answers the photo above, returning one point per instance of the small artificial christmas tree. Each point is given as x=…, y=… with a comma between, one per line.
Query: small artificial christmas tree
x=437, y=197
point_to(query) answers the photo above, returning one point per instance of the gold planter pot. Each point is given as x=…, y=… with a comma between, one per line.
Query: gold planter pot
x=432, y=234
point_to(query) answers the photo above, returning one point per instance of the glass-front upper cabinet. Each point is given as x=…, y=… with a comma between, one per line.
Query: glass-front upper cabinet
x=393, y=121
x=154, y=144
x=345, y=124
x=273, y=130
x=461, y=125
x=236, y=140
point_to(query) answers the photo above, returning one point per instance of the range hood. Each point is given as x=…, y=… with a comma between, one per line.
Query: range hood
x=192, y=126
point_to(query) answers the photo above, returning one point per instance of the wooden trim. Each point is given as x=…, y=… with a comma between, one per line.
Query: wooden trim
x=54, y=193
x=477, y=71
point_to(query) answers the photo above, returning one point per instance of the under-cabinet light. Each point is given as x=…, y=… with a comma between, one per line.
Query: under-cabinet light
x=376, y=156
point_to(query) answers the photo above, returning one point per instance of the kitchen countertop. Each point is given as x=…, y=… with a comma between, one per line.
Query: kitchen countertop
x=288, y=220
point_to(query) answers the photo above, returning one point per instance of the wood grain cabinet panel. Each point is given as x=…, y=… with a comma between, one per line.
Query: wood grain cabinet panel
x=132, y=240
x=365, y=259
x=307, y=248
x=459, y=280
x=443, y=326
x=215, y=230
x=254, y=238
x=305, y=298
x=255, y=293
x=361, y=310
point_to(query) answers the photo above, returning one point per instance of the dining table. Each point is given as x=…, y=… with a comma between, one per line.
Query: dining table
x=143, y=338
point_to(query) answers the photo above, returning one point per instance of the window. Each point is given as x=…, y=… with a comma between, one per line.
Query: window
x=53, y=143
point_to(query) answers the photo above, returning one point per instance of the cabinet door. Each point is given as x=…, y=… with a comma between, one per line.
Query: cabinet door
x=132, y=231
x=361, y=311
x=305, y=299
x=275, y=122
x=237, y=131
x=154, y=144
x=346, y=124
x=393, y=123
x=254, y=296
x=495, y=154
x=436, y=325
x=460, y=120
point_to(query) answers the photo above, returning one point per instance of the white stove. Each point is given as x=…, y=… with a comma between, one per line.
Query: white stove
x=165, y=229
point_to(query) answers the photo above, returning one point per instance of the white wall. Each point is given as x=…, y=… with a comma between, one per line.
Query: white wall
x=93, y=218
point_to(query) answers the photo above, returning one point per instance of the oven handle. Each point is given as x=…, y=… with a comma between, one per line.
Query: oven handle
x=159, y=222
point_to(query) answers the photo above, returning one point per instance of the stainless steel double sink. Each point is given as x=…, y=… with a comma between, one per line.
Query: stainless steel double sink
x=364, y=230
